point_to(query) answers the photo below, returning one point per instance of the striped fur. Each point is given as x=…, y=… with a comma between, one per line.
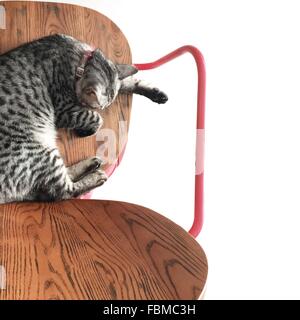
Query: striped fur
x=38, y=94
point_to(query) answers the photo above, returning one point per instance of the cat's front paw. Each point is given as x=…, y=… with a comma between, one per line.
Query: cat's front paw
x=81, y=133
x=158, y=96
x=90, y=128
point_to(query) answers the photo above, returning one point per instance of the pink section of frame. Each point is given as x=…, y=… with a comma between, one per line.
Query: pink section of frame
x=198, y=213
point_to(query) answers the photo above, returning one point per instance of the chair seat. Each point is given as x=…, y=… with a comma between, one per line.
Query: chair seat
x=94, y=249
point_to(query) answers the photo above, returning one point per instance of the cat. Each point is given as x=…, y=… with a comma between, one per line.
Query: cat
x=55, y=82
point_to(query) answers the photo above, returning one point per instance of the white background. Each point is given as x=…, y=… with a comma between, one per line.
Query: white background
x=252, y=163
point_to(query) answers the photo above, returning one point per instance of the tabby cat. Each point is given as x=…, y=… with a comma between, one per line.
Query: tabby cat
x=55, y=82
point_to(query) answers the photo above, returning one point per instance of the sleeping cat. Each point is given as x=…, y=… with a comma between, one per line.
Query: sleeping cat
x=55, y=82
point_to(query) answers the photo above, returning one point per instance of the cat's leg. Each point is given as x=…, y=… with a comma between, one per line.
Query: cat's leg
x=133, y=85
x=85, y=122
x=84, y=167
x=61, y=186
x=67, y=189
x=50, y=179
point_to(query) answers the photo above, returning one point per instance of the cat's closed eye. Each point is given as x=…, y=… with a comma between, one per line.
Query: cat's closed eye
x=90, y=92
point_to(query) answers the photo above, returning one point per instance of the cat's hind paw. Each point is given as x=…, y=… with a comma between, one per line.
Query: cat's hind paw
x=93, y=164
x=84, y=167
x=99, y=177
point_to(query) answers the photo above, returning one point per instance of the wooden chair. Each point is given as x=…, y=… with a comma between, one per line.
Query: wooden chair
x=90, y=249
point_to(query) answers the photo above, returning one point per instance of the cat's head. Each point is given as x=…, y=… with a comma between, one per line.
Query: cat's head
x=101, y=81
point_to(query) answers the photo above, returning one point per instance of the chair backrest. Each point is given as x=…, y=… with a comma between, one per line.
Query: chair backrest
x=22, y=22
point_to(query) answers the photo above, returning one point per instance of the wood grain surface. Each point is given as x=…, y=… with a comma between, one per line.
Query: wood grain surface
x=93, y=249
x=90, y=249
x=27, y=21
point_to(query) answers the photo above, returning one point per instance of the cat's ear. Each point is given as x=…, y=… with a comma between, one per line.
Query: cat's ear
x=126, y=70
